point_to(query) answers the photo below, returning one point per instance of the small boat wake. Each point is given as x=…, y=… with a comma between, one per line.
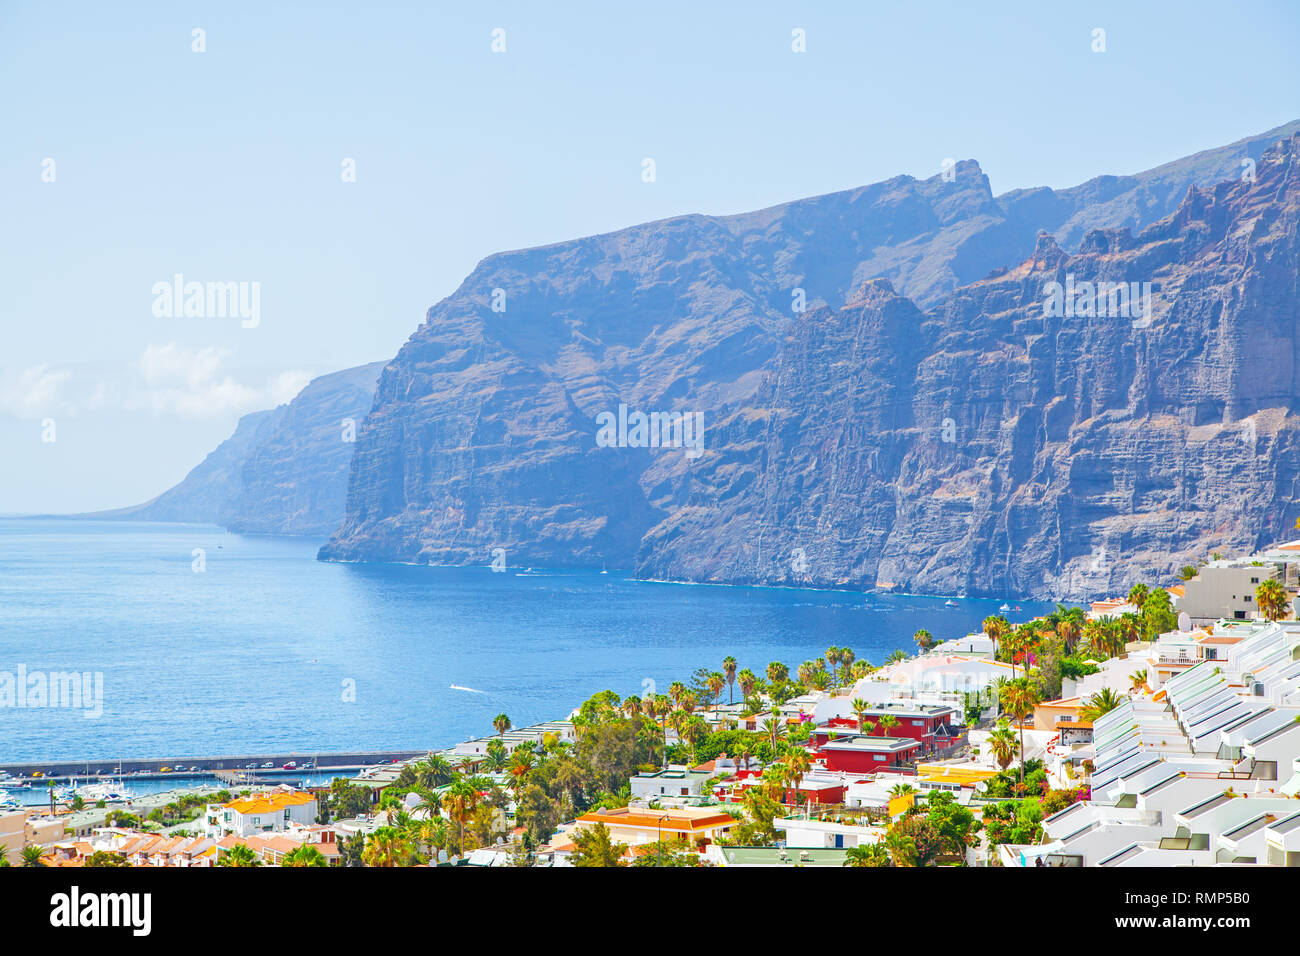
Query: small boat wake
x=468, y=690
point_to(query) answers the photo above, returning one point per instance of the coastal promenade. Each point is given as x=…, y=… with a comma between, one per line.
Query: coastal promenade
x=178, y=766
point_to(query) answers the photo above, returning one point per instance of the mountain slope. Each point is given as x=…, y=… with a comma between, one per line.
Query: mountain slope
x=482, y=430
x=992, y=448
x=283, y=471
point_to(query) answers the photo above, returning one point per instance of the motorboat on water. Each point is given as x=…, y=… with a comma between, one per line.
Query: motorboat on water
x=950, y=603
x=1005, y=607
x=108, y=792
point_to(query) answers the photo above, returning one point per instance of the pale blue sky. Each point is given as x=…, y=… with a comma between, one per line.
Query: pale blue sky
x=226, y=165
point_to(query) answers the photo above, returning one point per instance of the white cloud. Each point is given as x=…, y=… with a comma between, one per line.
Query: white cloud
x=33, y=392
x=165, y=380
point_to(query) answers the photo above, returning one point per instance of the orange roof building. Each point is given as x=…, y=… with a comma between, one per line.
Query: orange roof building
x=634, y=827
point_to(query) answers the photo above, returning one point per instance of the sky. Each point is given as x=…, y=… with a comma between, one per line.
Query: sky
x=128, y=156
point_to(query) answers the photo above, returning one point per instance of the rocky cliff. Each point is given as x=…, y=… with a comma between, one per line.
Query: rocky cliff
x=922, y=425
x=283, y=471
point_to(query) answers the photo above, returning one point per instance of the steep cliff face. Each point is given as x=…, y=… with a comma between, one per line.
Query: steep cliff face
x=937, y=432
x=283, y=471
x=992, y=447
x=207, y=494
x=294, y=479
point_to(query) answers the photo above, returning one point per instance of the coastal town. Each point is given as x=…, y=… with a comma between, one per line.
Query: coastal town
x=1159, y=728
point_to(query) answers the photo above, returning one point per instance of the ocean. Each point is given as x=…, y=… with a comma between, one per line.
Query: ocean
x=211, y=643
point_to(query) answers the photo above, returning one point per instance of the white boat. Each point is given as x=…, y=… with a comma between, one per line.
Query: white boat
x=107, y=792
x=1005, y=607
x=950, y=603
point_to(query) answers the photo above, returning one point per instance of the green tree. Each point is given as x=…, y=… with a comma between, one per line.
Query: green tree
x=924, y=640
x=31, y=855
x=1157, y=614
x=1100, y=703
x=729, y=671
x=1003, y=745
x=1272, y=599
x=593, y=847
x=867, y=854
x=1019, y=698
x=304, y=856
x=501, y=723
x=239, y=855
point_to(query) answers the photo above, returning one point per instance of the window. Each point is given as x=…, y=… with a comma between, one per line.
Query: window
x=918, y=723
x=1264, y=770
x=878, y=756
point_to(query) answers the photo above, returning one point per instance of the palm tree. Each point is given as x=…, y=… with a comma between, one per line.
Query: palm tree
x=1019, y=698
x=716, y=681
x=747, y=681
x=385, y=848
x=774, y=727
x=924, y=640
x=433, y=771
x=1002, y=744
x=692, y=732
x=887, y=723
x=1069, y=625
x=31, y=855
x=901, y=847
x=1138, y=679
x=996, y=627
x=1137, y=595
x=460, y=799
x=896, y=657
x=433, y=834
x=502, y=723
x=797, y=765
x=430, y=803
x=729, y=671
x=866, y=854
x=777, y=672
x=239, y=855
x=901, y=790
x=832, y=657
x=860, y=708
x=676, y=691
x=304, y=855
x=998, y=686
x=1100, y=703
x=1129, y=626
x=846, y=661
x=1271, y=597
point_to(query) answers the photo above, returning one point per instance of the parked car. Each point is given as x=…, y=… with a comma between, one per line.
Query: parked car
x=268, y=765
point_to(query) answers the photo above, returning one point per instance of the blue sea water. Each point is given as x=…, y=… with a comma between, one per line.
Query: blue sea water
x=252, y=654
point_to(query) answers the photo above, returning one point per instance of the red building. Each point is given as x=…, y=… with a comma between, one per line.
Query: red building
x=931, y=725
x=858, y=754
